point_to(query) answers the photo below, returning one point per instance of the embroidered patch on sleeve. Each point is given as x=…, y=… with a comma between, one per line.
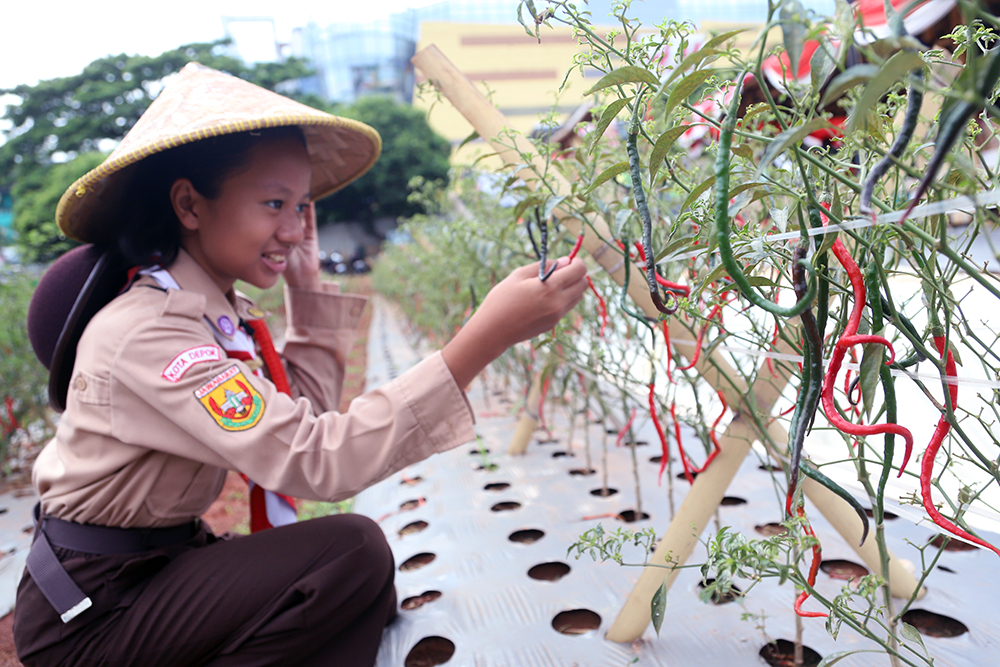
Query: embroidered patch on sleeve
x=231, y=400
x=180, y=364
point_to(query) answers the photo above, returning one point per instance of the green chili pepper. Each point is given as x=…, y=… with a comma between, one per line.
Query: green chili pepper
x=809, y=471
x=647, y=226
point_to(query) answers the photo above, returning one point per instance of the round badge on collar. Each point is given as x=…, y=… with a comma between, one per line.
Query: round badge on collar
x=255, y=312
x=226, y=326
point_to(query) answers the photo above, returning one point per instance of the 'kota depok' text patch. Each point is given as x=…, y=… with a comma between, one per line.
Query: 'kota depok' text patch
x=231, y=400
x=180, y=364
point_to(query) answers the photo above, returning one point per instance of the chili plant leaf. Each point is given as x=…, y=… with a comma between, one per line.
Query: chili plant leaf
x=744, y=152
x=609, y=115
x=848, y=79
x=682, y=243
x=759, y=281
x=691, y=60
x=551, y=205
x=663, y=144
x=871, y=361
x=696, y=192
x=627, y=74
x=834, y=658
x=658, y=605
x=526, y=203
x=721, y=38
x=892, y=72
x=790, y=137
x=822, y=63
x=683, y=90
x=607, y=175
x=471, y=137
x=743, y=187
x=909, y=632
x=793, y=30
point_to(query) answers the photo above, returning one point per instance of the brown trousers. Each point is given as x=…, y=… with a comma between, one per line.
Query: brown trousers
x=317, y=592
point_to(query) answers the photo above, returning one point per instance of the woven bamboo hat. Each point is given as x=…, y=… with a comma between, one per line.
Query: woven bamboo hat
x=201, y=103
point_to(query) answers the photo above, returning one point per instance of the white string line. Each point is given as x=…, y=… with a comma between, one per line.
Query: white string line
x=963, y=203
x=897, y=372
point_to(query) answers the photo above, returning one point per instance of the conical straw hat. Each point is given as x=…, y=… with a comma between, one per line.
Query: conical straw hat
x=201, y=103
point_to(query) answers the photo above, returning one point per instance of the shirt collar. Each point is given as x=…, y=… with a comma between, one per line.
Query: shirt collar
x=219, y=308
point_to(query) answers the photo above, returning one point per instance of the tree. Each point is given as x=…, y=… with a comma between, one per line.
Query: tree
x=409, y=148
x=59, y=119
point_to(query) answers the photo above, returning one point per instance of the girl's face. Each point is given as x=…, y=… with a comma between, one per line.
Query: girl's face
x=247, y=232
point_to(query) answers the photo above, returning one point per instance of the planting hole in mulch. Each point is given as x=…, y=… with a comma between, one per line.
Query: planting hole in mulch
x=489, y=467
x=417, y=601
x=549, y=571
x=604, y=492
x=412, y=528
x=477, y=452
x=637, y=443
x=412, y=504
x=582, y=472
x=889, y=516
x=430, y=651
x=681, y=475
x=769, y=467
x=934, y=625
x=505, y=506
x=945, y=568
x=496, y=486
x=527, y=536
x=557, y=455
x=771, y=529
x=731, y=595
x=411, y=481
x=732, y=501
x=416, y=562
x=629, y=516
x=843, y=569
x=953, y=544
x=781, y=653
x=576, y=621
x=547, y=441
x=611, y=431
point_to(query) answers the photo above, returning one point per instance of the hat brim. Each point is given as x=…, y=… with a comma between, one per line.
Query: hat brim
x=103, y=284
x=199, y=104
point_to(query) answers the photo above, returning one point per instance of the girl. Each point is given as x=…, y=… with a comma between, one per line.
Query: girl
x=164, y=392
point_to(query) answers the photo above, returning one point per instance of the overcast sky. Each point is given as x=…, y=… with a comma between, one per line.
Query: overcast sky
x=43, y=40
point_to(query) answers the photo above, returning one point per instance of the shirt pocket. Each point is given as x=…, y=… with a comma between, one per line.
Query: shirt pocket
x=184, y=489
x=89, y=389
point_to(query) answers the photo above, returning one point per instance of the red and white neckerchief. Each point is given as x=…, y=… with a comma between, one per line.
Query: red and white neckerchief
x=267, y=508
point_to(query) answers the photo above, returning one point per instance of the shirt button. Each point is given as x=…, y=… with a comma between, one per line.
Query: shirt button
x=80, y=383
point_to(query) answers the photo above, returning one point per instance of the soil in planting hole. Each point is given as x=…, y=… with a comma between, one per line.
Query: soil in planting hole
x=934, y=625
x=489, y=467
x=771, y=529
x=604, y=492
x=549, y=571
x=496, y=486
x=582, y=472
x=412, y=504
x=430, y=651
x=557, y=455
x=547, y=441
x=412, y=528
x=637, y=443
x=889, y=516
x=731, y=595
x=769, y=467
x=681, y=475
x=953, y=545
x=732, y=501
x=781, y=653
x=629, y=516
x=505, y=506
x=945, y=568
x=843, y=569
x=416, y=562
x=576, y=621
x=526, y=536
x=477, y=452
x=417, y=601
x=411, y=481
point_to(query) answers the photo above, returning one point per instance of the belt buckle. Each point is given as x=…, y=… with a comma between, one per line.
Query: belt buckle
x=77, y=609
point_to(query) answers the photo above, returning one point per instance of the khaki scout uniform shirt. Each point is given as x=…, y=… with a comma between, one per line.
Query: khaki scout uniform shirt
x=155, y=416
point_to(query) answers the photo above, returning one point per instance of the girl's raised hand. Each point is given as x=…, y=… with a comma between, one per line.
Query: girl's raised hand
x=303, y=258
x=517, y=309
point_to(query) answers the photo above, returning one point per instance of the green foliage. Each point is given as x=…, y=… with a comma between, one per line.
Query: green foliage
x=410, y=148
x=22, y=378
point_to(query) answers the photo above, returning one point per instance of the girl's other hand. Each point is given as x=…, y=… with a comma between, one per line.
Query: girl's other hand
x=519, y=308
x=303, y=258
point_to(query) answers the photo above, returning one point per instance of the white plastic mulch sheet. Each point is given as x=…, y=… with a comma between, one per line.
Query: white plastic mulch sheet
x=470, y=584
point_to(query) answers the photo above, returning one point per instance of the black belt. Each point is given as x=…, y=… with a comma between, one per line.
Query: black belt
x=51, y=577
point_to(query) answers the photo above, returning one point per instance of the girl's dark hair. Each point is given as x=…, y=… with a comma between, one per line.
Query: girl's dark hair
x=149, y=231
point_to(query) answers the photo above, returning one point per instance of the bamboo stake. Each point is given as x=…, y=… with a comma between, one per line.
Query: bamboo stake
x=528, y=422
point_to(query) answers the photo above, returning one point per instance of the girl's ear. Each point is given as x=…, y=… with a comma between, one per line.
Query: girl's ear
x=185, y=200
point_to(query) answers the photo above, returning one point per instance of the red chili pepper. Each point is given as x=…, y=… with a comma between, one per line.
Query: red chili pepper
x=813, y=569
x=621, y=433
x=848, y=339
x=715, y=440
x=576, y=247
x=664, y=447
x=602, y=307
x=680, y=445
x=927, y=463
x=660, y=280
x=701, y=335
